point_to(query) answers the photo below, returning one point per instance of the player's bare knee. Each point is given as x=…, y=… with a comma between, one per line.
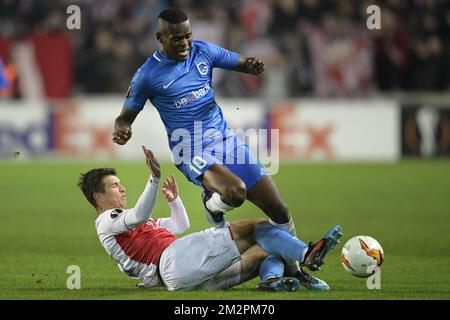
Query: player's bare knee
x=236, y=194
x=251, y=260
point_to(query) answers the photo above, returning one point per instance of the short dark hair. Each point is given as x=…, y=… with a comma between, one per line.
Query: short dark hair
x=92, y=181
x=173, y=15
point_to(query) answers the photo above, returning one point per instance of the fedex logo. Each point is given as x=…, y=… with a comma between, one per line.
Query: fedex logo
x=52, y=129
x=35, y=138
x=193, y=96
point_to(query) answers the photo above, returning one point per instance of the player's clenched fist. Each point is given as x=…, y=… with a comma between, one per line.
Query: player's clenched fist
x=121, y=135
x=255, y=66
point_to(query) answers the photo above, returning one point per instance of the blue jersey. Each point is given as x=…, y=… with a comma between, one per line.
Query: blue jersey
x=183, y=94
x=182, y=91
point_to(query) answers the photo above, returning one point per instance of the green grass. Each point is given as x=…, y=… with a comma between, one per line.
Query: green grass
x=47, y=225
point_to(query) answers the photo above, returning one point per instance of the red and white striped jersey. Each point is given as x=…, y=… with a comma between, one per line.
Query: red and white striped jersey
x=137, y=251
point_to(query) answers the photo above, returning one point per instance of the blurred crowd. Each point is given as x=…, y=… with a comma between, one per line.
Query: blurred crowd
x=410, y=52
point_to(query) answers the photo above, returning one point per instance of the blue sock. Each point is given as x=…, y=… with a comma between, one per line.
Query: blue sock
x=271, y=267
x=279, y=243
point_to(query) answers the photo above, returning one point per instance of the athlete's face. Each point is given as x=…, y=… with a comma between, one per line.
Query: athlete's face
x=175, y=39
x=114, y=195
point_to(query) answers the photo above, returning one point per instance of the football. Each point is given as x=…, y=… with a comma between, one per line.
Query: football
x=360, y=255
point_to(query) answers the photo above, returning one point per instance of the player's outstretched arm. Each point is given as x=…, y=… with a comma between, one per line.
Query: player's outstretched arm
x=147, y=201
x=179, y=220
x=250, y=65
x=122, y=126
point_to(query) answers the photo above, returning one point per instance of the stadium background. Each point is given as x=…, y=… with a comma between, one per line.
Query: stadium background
x=363, y=118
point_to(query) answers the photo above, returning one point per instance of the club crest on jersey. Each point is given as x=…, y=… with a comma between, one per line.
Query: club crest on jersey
x=115, y=213
x=202, y=67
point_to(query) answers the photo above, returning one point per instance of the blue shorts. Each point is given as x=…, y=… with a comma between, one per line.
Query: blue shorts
x=232, y=154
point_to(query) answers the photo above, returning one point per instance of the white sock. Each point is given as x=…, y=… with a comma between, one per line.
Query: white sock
x=215, y=204
x=288, y=227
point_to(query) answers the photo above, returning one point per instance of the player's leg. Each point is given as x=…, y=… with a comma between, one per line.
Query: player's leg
x=271, y=268
x=271, y=273
x=251, y=260
x=190, y=261
x=266, y=196
x=228, y=181
x=281, y=244
x=193, y=262
x=243, y=232
x=248, y=232
x=254, y=261
x=225, y=183
x=261, y=190
x=223, y=190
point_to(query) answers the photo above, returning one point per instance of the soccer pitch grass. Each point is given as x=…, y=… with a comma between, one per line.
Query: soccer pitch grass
x=47, y=225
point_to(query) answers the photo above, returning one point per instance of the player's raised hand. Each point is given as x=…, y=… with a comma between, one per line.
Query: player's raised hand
x=255, y=66
x=170, y=188
x=152, y=163
x=121, y=135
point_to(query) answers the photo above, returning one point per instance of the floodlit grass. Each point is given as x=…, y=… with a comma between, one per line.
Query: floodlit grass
x=47, y=225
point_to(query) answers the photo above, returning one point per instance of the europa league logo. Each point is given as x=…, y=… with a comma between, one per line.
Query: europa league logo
x=427, y=132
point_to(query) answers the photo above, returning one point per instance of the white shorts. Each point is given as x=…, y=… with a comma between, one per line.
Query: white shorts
x=208, y=259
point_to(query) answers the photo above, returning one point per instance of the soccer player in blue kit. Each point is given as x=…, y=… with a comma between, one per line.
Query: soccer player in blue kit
x=177, y=79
